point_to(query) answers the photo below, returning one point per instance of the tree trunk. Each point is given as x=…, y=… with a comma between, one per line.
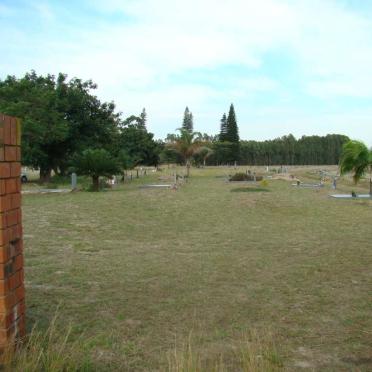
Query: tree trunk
x=95, y=180
x=45, y=174
x=187, y=169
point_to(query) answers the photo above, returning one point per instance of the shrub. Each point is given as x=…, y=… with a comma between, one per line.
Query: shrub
x=245, y=177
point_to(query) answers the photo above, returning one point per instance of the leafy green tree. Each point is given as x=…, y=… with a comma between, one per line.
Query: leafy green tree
x=96, y=163
x=188, y=121
x=356, y=158
x=138, y=144
x=186, y=144
x=59, y=118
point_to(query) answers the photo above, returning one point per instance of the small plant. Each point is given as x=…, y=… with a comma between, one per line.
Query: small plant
x=353, y=194
x=264, y=183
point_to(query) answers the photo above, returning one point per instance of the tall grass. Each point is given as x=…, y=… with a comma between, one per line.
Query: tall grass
x=251, y=352
x=47, y=351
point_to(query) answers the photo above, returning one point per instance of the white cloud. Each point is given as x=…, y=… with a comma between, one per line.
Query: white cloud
x=134, y=62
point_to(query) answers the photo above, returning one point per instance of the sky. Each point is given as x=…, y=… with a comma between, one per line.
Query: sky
x=288, y=66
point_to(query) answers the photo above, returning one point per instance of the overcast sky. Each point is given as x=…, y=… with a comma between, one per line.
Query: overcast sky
x=289, y=66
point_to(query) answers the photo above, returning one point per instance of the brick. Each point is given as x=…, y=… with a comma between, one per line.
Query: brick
x=20, y=293
x=22, y=275
x=15, y=248
x=19, y=215
x=18, y=262
x=15, y=201
x=13, y=131
x=10, y=153
x=4, y=170
x=18, y=184
x=3, y=220
x=5, y=253
x=12, y=218
x=5, y=203
x=18, y=153
x=6, y=320
x=14, y=282
x=1, y=133
x=6, y=270
x=19, y=131
x=4, y=287
x=7, y=131
x=7, y=302
x=2, y=186
x=11, y=185
x=2, y=153
x=15, y=169
x=4, y=237
x=15, y=233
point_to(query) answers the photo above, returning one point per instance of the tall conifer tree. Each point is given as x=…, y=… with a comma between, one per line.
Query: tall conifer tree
x=232, y=134
x=143, y=119
x=188, y=121
x=223, y=128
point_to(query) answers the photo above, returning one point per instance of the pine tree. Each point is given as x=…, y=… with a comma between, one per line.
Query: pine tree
x=188, y=121
x=232, y=134
x=223, y=130
x=143, y=119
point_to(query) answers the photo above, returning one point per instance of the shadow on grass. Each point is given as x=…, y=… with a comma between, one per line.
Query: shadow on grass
x=250, y=189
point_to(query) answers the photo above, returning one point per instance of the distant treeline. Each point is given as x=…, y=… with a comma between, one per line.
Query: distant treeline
x=286, y=150
x=314, y=150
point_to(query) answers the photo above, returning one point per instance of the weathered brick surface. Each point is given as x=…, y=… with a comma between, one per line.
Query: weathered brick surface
x=12, y=290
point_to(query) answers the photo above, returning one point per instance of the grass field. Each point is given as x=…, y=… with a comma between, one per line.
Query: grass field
x=143, y=273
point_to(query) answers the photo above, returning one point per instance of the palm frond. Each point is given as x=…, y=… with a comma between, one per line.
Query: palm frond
x=355, y=158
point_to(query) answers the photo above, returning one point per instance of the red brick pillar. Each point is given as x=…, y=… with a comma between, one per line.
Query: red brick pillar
x=12, y=292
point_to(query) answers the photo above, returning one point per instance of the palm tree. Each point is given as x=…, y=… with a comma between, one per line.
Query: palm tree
x=205, y=152
x=356, y=158
x=186, y=144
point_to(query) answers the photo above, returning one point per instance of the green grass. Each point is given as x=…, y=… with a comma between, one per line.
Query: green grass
x=134, y=270
x=250, y=189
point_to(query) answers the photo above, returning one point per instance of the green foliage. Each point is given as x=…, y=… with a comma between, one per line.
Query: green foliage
x=59, y=118
x=245, y=177
x=138, y=144
x=223, y=129
x=52, y=350
x=126, y=161
x=96, y=163
x=355, y=158
x=232, y=134
x=186, y=145
x=307, y=150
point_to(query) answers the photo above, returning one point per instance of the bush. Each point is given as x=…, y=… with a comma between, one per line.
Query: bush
x=245, y=177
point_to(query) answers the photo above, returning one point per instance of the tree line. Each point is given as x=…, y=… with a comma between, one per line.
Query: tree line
x=63, y=121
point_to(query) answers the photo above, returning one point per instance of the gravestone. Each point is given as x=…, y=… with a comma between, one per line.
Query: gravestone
x=73, y=181
x=12, y=291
